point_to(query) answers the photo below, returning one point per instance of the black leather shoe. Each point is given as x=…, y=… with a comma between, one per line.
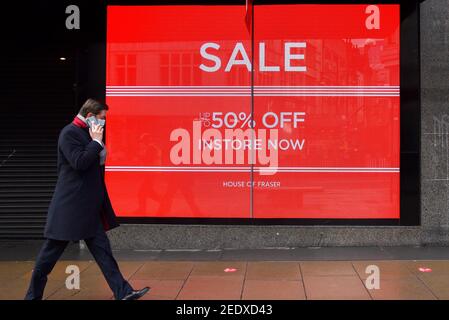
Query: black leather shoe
x=137, y=294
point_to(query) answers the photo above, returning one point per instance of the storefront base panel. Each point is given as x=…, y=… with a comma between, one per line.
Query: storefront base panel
x=157, y=237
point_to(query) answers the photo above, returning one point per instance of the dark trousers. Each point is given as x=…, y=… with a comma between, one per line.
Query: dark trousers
x=99, y=247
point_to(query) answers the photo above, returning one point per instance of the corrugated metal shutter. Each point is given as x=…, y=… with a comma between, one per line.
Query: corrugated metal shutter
x=36, y=101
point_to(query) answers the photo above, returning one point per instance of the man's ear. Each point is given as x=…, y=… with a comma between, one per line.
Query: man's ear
x=89, y=114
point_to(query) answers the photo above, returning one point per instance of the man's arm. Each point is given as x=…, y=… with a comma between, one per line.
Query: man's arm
x=101, y=143
x=80, y=156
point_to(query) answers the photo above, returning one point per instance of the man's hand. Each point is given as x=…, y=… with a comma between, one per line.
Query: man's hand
x=96, y=132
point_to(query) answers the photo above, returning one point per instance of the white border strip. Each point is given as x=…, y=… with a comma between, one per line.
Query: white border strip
x=248, y=95
x=245, y=87
x=247, y=169
x=322, y=91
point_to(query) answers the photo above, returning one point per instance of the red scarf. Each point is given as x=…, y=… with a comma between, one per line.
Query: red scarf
x=79, y=123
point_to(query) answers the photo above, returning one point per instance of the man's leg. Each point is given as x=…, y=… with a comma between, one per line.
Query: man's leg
x=100, y=248
x=50, y=252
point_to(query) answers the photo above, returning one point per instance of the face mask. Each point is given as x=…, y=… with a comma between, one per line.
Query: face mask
x=94, y=121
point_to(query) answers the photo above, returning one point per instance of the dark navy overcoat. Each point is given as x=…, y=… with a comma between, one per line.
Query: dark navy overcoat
x=80, y=201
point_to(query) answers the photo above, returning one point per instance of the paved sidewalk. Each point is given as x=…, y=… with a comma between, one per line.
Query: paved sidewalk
x=237, y=280
x=286, y=273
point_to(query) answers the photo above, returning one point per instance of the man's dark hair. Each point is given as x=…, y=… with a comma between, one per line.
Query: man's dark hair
x=93, y=106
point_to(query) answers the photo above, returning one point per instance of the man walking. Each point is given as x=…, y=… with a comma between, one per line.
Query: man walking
x=80, y=208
